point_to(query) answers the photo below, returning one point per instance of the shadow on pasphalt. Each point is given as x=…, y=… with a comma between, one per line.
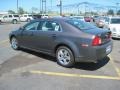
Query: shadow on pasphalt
x=83, y=66
x=92, y=66
x=41, y=55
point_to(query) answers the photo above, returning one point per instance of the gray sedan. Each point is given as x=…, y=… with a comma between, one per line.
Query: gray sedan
x=68, y=40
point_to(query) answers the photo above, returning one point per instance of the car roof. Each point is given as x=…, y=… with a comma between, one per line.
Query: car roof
x=55, y=19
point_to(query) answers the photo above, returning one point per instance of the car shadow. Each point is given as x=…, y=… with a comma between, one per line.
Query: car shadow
x=92, y=66
x=83, y=66
x=116, y=38
x=38, y=54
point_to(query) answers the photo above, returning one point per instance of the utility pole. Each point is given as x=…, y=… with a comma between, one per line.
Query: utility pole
x=51, y=5
x=43, y=6
x=61, y=7
x=40, y=6
x=17, y=7
x=117, y=5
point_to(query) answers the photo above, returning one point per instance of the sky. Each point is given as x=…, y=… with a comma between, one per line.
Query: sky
x=6, y=5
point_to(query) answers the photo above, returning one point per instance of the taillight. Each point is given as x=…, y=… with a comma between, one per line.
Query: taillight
x=109, y=36
x=96, y=41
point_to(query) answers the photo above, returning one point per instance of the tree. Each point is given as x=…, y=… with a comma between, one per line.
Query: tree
x=11, y=12
x=118, y=12
x=21, y=10
x=34, y=10
x=110, y=12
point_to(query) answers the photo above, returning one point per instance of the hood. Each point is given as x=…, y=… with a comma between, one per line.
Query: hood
x=116, y=26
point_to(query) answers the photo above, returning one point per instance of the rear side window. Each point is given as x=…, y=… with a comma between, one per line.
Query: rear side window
x=10, y=16
x=50, y=26
x=16, y=15
x=25, y=15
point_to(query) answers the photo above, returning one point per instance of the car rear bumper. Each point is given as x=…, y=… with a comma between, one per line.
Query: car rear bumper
x=96, y=53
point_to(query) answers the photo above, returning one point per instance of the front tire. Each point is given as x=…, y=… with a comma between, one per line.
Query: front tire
x=65, y=56
x=14, y=43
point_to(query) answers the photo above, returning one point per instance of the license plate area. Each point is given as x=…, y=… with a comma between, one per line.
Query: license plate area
x=108, y=49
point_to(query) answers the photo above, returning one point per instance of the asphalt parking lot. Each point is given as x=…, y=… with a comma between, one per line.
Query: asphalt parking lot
x=28, y=70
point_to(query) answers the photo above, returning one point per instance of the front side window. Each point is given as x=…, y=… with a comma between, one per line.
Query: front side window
x=5, y=16
x=32, y=26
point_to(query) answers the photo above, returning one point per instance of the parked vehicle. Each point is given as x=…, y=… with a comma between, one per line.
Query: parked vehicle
x=69, y=40
x=26, y=17
x=78, y=18
x=37, y=16
x=44, y=16
x=95, y=17
x=9, y=18
x=114, y=26
x=101, y=21
x=88, y=19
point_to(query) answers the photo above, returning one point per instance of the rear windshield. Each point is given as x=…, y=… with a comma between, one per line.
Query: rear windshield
x=80, y=24
x=115, y=21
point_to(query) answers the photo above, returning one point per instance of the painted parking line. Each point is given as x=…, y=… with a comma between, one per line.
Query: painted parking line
x=115, y=67
x=73, y=75
x=4, y=41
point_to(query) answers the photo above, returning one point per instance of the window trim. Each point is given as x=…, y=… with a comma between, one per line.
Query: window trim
x=30, y=24
x=54, y=22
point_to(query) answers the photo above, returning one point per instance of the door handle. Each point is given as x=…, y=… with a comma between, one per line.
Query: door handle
x=54, y=35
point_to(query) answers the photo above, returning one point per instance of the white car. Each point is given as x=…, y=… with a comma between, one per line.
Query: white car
x=26, y=17
x=114, y=26
x=9, y=18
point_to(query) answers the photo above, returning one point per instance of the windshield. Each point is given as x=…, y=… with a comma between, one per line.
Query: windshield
x=115, y=21
x=80, y=24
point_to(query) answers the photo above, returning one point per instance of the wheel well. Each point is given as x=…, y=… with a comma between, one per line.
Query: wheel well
x=11, y=37
x=63, y=45
x=14, y=19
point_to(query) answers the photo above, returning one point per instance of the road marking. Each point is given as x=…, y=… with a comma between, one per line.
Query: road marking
x=4, y=41
x=74, y=75
x=113, y=64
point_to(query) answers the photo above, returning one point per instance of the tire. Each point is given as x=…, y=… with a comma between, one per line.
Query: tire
x=14, y=21
x=14, y=43
x=0, y=22
x=65, y=57
x=28, y=20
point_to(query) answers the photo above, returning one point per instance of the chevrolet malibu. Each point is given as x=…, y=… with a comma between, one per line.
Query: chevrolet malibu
x=66, y=39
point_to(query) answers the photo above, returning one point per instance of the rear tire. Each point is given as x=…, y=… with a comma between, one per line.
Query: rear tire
x=65, y=57
x=14, y=21
x=0, y=22
x=28, y=20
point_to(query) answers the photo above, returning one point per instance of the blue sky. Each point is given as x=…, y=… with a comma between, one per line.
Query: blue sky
x=6, y=5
